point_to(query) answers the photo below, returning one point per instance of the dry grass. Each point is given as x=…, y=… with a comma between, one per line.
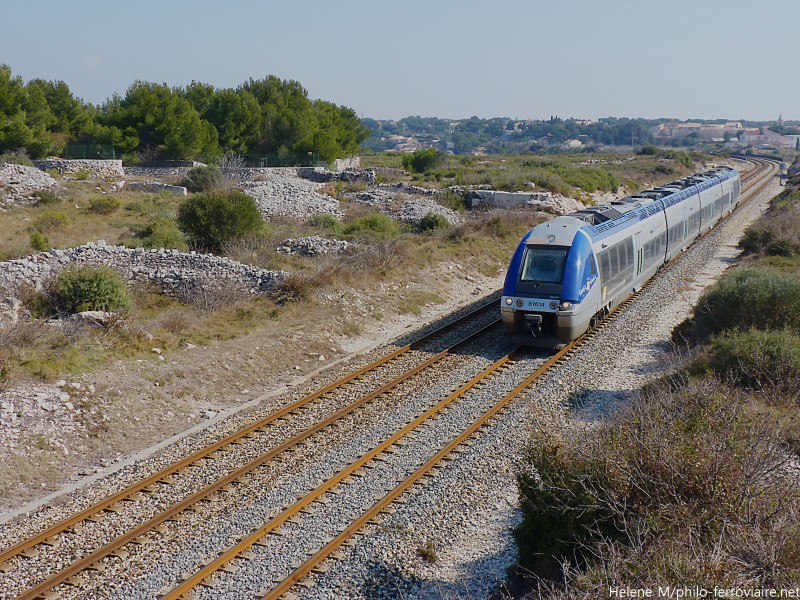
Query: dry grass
x=80, y=224
x=687, y=484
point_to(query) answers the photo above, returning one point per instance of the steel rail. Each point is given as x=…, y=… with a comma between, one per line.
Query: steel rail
x=305, y=569
x=91, y=559
x=162, y=476
x=273, y=524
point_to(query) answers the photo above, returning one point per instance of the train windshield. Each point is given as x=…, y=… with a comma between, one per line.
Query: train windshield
x=544, y=264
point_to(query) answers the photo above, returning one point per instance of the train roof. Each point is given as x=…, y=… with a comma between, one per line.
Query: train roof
x=604, y=218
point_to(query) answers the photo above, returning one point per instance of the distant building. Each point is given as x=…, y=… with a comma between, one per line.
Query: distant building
x=401, y=143
x=584, y=122
x=706, y=131
x=573, y=144
x=762, y=136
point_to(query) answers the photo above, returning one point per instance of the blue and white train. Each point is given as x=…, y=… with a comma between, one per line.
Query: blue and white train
x=571, y=271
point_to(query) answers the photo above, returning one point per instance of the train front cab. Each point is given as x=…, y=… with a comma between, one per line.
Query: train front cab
x=550, y=294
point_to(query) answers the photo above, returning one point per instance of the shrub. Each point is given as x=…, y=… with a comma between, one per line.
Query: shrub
x=758, y=359
x=16, y=158
x=760, y=298
x=421, y=161
x=211, y=219
x=163, y=233
x=589, y=179
x=431, y=222
x=326, y=222
x=82, y=175
x=551, y=182
x=203, y=179
x=452, y=200
x=376, y=224
x=40, y=242
x=658, y=492
x=88, y=288
x=51, y=221
x=48, y=197
x=104, y=205
x=756, y=239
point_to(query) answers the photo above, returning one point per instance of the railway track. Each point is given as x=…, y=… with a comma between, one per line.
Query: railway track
x=41, y=546
x=269, y=535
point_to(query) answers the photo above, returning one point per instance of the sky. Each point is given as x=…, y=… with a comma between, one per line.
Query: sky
x=523, y=59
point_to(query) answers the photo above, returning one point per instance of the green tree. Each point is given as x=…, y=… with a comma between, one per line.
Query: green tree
x=237, y=118
x=186, y=135
x=209, y=220
x=422, y=160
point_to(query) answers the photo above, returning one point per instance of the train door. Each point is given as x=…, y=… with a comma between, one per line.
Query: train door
x=639, y=262
x=686, y=210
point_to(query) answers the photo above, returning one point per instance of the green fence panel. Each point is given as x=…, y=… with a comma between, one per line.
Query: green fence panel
x=90, y=152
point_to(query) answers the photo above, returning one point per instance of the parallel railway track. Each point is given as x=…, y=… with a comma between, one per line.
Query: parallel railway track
x=218, y=568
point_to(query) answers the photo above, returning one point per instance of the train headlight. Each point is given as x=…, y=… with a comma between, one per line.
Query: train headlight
x=566, y=304
x=509, y=301
x=519, y=302
x=554, y=305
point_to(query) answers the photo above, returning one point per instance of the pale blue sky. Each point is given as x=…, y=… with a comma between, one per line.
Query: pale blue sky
x=444, y=58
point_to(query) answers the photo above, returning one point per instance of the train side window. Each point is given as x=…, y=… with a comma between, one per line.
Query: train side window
x=605, y=266
x=630, y=257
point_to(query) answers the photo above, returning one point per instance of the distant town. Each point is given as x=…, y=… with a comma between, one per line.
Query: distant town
x=505, y=135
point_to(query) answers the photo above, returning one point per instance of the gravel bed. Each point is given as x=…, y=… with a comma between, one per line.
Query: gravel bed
x=202, y=538
x=131, y=514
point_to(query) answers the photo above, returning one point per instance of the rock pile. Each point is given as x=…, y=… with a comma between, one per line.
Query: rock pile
x=544, y=201
x=312, y=246
x=322, y=175
x=290, y=196
x=100, y=168
x=170, y=270
x=404, y=207
x=154, y=187
x=20, y=183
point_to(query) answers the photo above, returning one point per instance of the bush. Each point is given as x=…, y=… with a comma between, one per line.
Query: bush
x=48, y=197
x=209, y=220
x=163, y=233
x=658, y=493
x=203, y=179
x=326, y=222
x=15, y=158
x=452, y=200
x=104, y=205
x=431, y=222
x=421, y=161
x=758, y=359
x=376, y=224
x=760, y=298
x=40, y=242
x=552, y=182
x=88, y=288
x=51, y=221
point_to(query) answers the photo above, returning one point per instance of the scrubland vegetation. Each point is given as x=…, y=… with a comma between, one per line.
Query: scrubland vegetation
x=575, y=175
x=695, y=481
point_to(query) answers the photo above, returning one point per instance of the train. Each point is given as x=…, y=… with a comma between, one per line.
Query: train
x=570, y=272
